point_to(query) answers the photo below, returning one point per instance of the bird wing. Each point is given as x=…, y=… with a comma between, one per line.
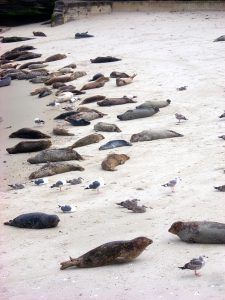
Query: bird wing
x=195, y=263
x=94, y=184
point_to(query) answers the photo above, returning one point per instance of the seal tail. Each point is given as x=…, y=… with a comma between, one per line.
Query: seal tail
x=69, y=263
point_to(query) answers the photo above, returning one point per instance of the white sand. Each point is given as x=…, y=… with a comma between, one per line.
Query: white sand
x=166, y=50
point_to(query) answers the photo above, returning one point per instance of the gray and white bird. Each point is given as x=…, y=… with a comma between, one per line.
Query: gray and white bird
x=220, y=188
x=38, y=121
x=222, y=116
x=53, y=104
x=17, y=186
x=95, y=185
x=195, y=264
x=58, y=184
x=180, y=117
x=75, y=181
x=41, y=181
x=222, y=136
x=172, y=183
x=67, y=208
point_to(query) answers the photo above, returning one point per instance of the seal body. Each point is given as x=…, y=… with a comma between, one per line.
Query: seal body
x=87, y=140
x=109, y=253
x=124, y=81
x=104, y=59
x=150, y=135
x=159, y=104
x=115, y=74
x=28, y=133
x=80, y=122
x=204, y=232
x=61, y=132
x=137, y=114
x=113, y=160
x=55, y=57
x=115, y=101
x=114, y=144
x=107, y=127
x=87, y=115
x=95, y=84
x=65, y=78
x=32, y=146
x=36, y=220
x=93, y=99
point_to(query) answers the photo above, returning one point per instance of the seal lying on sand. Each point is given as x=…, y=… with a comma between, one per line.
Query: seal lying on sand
x=55, y=57
x=93, y=99
x=35, y=220
x=87, y=115
x=83, y=35
x=125, y=81
x=63, y=116
x=114, y=144
x=118, y=75
x=87, y=140
x=32, y=146
x=26, y=65
x=65, y=78
x=107, y=127
x=95, y=84
x=54, y=168
x=79, y=122
x=204, y=232
x=110, y=253
x=159, y=104
x=150, y=135
x=113, y=160
x=104, y=59
x=116, y=101
x=61, y=132
x=13, y=39
x=27, y=133
x=220, y=39
x=28, y=55
x=39, y=91
x=137, y=114
x=39, y=33
x=96, y=76
x=53, y=155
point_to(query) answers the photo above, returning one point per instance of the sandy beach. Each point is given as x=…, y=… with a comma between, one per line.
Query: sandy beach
x=166, y=51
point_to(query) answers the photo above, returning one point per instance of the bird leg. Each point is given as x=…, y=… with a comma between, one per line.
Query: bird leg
x=197, y=274
x=172, y=188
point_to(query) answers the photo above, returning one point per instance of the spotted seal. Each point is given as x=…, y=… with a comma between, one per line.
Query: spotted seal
x=114, y=160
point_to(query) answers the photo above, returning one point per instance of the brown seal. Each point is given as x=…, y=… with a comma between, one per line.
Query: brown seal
x=53, y=155
x=93, y=99
x=125, y=81
x=150, y=135
x=115, y=101
x=107, y=127
x=26, y=65
x=65, y=78
x=39, y=33
x=39, y=91
x=95, y=84
x=61, y=132
x=87, y=140
x=54, y=168
x=113, y=160
x=87, y=115
x=32, y=146
x=109, y=253
x=115, y=74
x=27, y=133
x=159, y=104
x=55, y=57
x=204, y=232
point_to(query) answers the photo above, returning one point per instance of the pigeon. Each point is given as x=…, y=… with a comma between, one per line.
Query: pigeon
x=17, y=186
x=95, y=185
x=67, y=208
x=220, y=188
x=222, y=137
x=222, y=116
x=180, y=117
x=182, y=88
x=58, y=184
x=172, y=183
x=194, y=264
x=75, y=181
x=38, y=121
x=40, y=181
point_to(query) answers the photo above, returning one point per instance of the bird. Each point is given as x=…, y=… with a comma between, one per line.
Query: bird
x=222, y=116
x=222, y=136
x=96, y=185
x=195, y=264
x=180, y=117
x=75, y=181
x=67, y=208
x=172, y=183
x=58, y=184
x=182, y=88
x=220, y=188
x=17, y=186
x=38, y=121
x=53, y=104
x=40, y=181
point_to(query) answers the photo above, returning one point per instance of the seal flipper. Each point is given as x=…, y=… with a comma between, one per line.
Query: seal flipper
x=70, y=263
x=8, y=223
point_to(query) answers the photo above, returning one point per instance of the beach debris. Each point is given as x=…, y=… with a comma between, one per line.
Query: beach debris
x=133, y=206
x=38, y=121
x=182, y=88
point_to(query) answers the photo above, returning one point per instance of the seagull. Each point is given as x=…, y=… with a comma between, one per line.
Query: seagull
x=67, y=208
x=38, y=121
x=75, y=181
x=195, y=264
x=58, y=184
x=222, y=136
x=223, y=115
x=17, y=186
x=96, y=185
x=40, y=181
x=53, y=104
x=182, y=88
x=180, y=117
x=172, y=183
x=67, y=97
x=220, y=188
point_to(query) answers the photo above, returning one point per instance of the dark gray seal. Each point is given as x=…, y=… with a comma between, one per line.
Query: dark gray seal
x=35, y=220
x=159, y=104
x=104, y=59
x=137, y=114
x=114, y=144
x=28, y=133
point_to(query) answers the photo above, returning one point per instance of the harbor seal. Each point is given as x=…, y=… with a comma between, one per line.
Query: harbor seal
x=100, y=82
x=80, y=122
x=28, y=55
x=63, y=116
x=54, y=168
x=159, y=104
x=125, y=81
x=110, y=253
x=13, y=39
x=39, y=33
x=93, y=99
x=32, y=146
x=36, y=220
x=137, y=113
x=114, y=144
x=66, y=78
x=27, y=133
x=107, y=127
x=36, y=66
x=87, y=140
x=96, y=76
x=87, y=115
x=204, y=232
x=83, y=35
x=150, y=135
x=114, y=160
x=104, y=59
x=55, y=57
x=26, y=65
x=53, y=155
x=118, y=75
x=115, y=101
x=39, y=91
x=61, y=132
